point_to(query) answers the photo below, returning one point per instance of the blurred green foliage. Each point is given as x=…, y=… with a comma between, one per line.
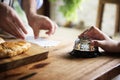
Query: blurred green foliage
x=69, y=8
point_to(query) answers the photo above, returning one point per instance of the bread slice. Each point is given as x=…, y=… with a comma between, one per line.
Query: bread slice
x=13, y=48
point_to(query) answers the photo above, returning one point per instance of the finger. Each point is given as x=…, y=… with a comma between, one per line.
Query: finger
x=36, y=32
x=49, y=32
x=55, y=27
x=91, y=28
x=20, y=32
x=88, y=31
x=15, y=30
x=98, y=34
x=50, y=28
x=9, y=29
x=18, y=21
x=99, y=43
x=83, y=34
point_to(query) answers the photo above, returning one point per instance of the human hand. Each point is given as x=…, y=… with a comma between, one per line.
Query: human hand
x=100, y=39
x=39, y=22
x=94, y=33
x=10, y=22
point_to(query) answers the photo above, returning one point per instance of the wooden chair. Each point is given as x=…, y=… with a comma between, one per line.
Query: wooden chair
x=101, y=11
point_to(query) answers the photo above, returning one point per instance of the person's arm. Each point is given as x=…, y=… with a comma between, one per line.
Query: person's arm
x=29, y=7
x=36, y=21
x=39, y=3
x=100, y=39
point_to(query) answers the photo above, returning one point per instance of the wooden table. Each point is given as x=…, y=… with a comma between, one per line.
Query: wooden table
x=61, y=66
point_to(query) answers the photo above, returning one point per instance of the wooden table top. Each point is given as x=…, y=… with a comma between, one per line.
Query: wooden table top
x=61, y=66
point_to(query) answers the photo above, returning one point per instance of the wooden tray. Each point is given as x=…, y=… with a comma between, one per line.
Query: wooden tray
x=35, y=53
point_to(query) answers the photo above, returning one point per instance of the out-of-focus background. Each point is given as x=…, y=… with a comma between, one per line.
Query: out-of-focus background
x=86, y=15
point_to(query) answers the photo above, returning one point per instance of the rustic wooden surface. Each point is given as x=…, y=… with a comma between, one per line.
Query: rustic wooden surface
x=35, y=53
x=61, y=66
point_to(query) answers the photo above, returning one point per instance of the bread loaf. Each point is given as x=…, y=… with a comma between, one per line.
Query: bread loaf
x=13, y=48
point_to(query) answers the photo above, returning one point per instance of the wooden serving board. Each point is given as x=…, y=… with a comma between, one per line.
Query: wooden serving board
x=35, y=53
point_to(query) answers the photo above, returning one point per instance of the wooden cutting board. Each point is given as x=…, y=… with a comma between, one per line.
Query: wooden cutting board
x=35, y=53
